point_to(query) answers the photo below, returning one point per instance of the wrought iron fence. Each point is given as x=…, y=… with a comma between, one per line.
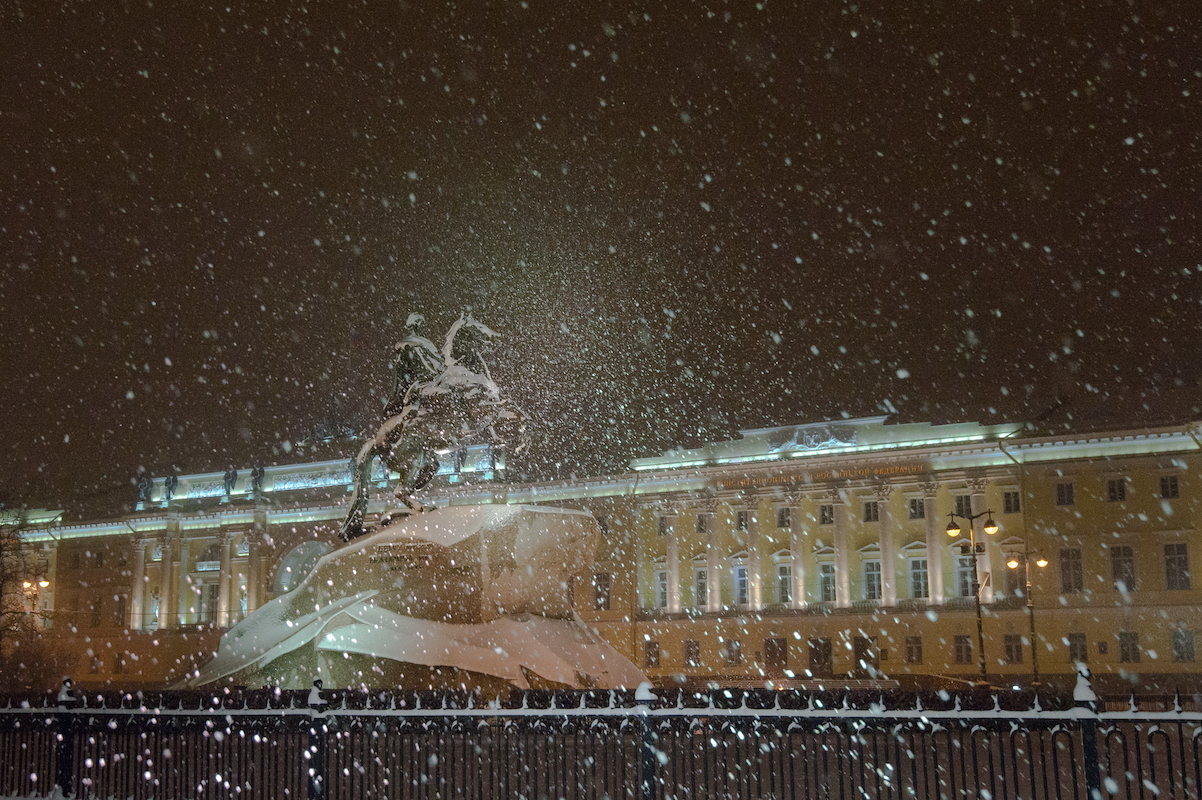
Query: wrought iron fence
x=593, y=745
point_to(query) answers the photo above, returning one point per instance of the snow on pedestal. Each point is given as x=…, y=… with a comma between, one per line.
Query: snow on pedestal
x=468, y=589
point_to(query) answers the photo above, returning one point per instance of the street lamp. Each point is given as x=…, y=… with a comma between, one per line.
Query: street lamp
x=953, y=530
x=1040, y=562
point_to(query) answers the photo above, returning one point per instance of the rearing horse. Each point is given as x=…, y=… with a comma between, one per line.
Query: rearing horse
x=458, y=404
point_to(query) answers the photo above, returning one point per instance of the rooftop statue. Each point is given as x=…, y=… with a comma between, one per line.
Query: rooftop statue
x=440, y=400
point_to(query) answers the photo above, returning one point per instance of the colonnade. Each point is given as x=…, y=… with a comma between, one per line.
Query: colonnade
x=745, y=508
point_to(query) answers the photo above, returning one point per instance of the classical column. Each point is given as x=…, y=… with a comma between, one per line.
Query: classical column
x=842, y=552
x=672, y=550
x=796, y=539
x=254, y=565
x=256, y=577
x=935, y=543
x=713, y=563
x=223, y=586
x=984, y=568
x=169, y=582
x=187, y=596
x=137, y=584
x=755, y=571
x=881, y=494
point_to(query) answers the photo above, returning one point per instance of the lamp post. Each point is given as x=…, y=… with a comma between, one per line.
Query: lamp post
x=1041, y=562
x=953, y=530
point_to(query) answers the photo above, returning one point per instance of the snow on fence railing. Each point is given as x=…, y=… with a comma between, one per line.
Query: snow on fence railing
x=645, y=741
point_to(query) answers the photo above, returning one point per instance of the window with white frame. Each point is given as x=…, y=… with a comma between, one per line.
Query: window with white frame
x=1011, y=503
x=1072, y=579
x=826, y=582
x=964, y=570
x=661, y=588
x=784, y=517
x=700, y=587
x=1183, y=646
x=826, y=514
x=872, y=511
x=1064, y=494
x=920, y=586
x=784, y=583
x=1122, y=567
x=742, y=585
x=963, y=505
x=872, y=580
x=918, y=508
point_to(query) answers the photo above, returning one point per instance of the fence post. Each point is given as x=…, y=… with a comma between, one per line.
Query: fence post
x=1084, y=698
x=317, y=742
x=643, y=697
x=64, y=746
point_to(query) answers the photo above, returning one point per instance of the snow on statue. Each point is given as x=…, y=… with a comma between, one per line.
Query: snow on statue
x=439, y=401
x=467, y=597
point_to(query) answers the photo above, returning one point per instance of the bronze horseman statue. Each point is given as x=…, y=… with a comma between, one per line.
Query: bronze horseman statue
x=440, y=400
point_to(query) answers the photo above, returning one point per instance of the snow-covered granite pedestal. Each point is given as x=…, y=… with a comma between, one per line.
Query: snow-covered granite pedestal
x=468, y=597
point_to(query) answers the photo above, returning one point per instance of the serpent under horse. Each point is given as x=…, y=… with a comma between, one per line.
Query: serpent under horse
x=446, y=400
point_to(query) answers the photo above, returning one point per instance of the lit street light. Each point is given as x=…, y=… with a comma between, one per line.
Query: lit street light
x=953, y=530
x=1040, y=562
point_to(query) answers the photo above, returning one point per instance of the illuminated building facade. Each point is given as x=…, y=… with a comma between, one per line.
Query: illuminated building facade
x=802, y=555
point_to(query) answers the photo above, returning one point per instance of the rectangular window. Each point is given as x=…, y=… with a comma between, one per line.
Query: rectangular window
x=1129, y=647
x=700, y=587
x=820, y=658
x=826, y=515
x=661, y=588
x=734, y=652
x=784, y=583
x=1116, y=490
x=692, y=653
x=1122, y=568
x=651, y=655
x=662, y=525
x=872, y=511
x=1168, y=487
x=602, y=589
x=962, y=505
x=826, y=582
x=742, y=520
x=784, y=517
x=1010, y=503
x=920, y=586
x=872, y=580
x=1176, y=567
x=1071, y=578
x=119, y=611
x=913, y=649
x=742, y=586
x=1012, y=648
x=964, y=576
x=1078, y=648
x=1183, y=646
x=918, y=508
x=703, y=524
x=1064, y=494
x=962, y=649
x=776, y=653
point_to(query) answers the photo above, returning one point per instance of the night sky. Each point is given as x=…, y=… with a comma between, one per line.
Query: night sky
x=684, y=218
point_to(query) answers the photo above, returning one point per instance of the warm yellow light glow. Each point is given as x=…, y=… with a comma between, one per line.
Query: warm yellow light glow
x=43, y=583
x=1012, y=563
x=990, y=526
x=28, y=585
x=953, y=530
x=1043, y=562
